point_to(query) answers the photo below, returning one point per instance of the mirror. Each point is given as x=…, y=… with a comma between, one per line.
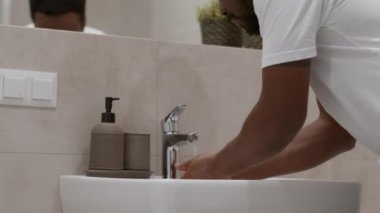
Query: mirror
x=165, y=20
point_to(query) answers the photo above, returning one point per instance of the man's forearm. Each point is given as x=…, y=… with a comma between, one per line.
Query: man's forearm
x=272, y=124
x=262, y=136
x=315, y=144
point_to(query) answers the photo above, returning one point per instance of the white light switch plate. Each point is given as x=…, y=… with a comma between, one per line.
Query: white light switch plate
x=14, y=87
x=42, y=89
x=28, y=88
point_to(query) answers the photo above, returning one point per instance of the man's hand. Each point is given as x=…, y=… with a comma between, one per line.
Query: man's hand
x=201, y=167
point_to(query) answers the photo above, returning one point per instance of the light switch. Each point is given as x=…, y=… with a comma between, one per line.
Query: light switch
x=28, y=88
x=14, y=87
x=42, y=89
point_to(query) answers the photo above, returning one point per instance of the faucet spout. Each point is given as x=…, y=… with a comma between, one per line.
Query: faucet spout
x=172, y=140
x=169, y=124
x=172, y=143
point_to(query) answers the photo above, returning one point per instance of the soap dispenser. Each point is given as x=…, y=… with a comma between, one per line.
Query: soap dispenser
x=107, y=142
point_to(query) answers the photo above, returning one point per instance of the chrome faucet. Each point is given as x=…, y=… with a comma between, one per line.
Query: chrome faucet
x=172, y=140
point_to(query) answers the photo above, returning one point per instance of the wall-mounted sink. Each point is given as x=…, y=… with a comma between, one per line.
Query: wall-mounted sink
x=80, y=194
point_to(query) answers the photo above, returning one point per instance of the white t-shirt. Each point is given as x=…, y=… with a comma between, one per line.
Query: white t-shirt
x=343, y=39
x=89, y=30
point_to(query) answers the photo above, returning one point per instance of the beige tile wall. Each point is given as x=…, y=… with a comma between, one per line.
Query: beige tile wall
x=39, y=145
x=29, y=182
x=220, y=86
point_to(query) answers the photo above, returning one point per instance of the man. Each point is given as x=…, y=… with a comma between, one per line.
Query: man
x=333, y=45
x=60, y=15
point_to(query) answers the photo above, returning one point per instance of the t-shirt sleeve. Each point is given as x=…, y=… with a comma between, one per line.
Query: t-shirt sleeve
x=289, y=29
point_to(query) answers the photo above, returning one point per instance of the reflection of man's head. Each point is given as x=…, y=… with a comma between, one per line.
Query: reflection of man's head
x=242, y=13
x=59, y=14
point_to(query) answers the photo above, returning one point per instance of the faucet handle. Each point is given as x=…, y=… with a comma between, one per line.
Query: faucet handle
x=192, y=137
x=170, y=123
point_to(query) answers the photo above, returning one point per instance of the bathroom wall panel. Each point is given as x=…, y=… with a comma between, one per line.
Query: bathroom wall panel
x=29, y=182
x=89, y=68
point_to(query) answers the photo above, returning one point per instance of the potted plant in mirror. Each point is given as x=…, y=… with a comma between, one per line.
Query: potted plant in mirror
x=252, y=41
x=216, y=29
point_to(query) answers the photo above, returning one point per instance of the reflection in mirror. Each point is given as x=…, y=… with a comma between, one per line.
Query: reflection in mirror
x=67, y=15
x=117, y=17
x=166, y=20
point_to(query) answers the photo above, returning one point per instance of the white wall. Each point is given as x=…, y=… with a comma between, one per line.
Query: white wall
x=121, y=17
x=5, y=11
x=176, y=21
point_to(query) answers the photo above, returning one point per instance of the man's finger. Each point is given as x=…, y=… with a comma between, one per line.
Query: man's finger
x=186, y=176
x=183, y=166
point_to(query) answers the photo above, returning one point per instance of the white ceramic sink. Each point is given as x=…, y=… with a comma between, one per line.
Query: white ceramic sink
x=80, y=194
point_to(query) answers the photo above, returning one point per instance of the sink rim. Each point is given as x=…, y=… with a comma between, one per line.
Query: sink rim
x=162, y=195
x=155, y=179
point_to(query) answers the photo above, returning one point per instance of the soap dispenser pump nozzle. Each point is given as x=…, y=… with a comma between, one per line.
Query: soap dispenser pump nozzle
x=109, y=116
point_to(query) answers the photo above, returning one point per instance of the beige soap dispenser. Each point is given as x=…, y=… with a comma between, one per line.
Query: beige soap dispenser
x=107, y=142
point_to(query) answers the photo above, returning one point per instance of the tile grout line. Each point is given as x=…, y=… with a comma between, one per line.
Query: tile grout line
x=158, y=68
x=157, y=155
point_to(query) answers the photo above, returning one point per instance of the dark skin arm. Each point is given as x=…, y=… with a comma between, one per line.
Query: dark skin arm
x=315, y=144
x=271, y=125
x=258, y=151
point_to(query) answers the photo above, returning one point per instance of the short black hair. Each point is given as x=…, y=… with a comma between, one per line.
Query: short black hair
x=57, y=7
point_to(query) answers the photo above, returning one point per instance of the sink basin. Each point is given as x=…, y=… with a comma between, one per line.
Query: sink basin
x=81, y=194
